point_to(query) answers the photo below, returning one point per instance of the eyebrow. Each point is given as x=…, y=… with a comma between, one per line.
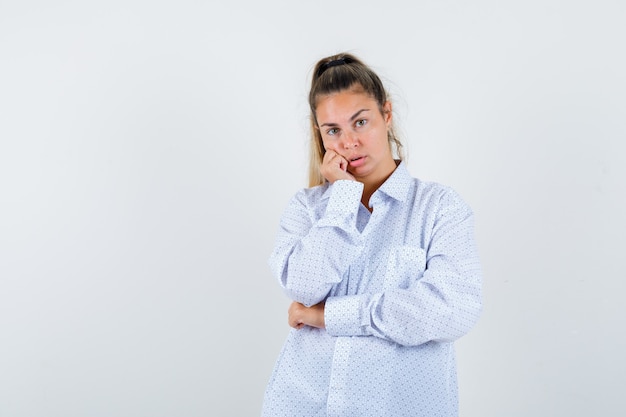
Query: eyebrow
x=354, y=116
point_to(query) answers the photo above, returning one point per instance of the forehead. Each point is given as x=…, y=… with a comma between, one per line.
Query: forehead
x=343, y=104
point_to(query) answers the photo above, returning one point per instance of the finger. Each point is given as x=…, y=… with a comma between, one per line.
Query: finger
x=295, y=324
x=343, y=164
x=292, y=314
x=335, y=161
x=329, y=156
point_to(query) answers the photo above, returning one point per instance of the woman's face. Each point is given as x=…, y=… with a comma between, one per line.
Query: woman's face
x=351, y=124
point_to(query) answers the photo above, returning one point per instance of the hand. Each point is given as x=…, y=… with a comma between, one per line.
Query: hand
x=335, y=167
x=300, y=316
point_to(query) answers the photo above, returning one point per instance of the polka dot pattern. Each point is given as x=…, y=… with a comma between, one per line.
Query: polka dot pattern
x=401, y=284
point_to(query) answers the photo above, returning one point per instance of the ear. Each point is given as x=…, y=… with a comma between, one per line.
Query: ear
x=387, y=113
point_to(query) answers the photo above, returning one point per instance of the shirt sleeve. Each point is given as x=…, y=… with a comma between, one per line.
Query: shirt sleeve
x=311, y=255
x=441, y=304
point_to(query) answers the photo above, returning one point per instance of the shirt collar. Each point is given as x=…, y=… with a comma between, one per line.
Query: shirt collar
x=398, y=184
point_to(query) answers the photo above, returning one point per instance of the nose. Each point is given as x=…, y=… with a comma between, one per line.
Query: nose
x=350, y=141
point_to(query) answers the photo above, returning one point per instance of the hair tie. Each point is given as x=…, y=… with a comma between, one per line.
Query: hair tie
x=333, y=63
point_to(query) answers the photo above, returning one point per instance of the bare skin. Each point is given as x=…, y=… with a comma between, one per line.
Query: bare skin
x=354, y=133
x=300, y=316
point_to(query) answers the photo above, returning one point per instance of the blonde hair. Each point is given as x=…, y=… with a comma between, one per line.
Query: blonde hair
x=334, y=74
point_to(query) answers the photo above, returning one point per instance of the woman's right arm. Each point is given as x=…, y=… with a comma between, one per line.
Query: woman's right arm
x=312, y=254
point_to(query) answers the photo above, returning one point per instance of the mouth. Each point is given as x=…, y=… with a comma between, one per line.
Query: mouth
x=357, y=161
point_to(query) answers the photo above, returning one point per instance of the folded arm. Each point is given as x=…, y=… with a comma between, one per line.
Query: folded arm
x=443, y=301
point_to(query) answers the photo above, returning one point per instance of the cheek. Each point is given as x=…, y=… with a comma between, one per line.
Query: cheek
x=328, y=145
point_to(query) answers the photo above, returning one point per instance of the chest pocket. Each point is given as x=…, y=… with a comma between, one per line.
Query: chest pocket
x=405, y=265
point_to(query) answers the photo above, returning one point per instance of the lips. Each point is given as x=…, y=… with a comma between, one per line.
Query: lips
x=357, y=161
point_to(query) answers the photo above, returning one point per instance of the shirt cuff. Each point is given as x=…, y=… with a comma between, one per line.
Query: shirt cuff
x=343, y=204
x=342, y=316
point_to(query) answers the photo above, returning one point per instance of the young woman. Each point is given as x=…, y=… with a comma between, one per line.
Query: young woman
x=382, y=268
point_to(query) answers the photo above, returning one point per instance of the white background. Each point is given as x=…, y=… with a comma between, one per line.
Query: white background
x=148, y=148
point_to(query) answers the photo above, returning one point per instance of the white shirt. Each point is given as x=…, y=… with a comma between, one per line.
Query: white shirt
x=399, y=284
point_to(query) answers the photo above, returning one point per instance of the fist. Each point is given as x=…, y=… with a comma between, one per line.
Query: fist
x=300, y=316
x=335, y=167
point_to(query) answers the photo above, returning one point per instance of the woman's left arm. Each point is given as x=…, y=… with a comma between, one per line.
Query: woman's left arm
x=440, y=305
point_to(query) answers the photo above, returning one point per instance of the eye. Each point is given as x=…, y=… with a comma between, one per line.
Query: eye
x=360, y=123
x=332, y=132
